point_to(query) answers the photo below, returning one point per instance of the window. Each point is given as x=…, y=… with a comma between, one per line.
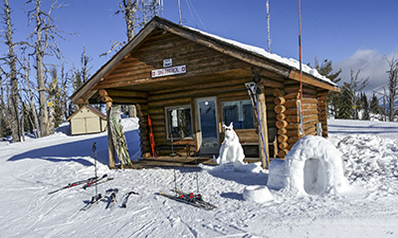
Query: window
x=239, y=112
x=179, y=121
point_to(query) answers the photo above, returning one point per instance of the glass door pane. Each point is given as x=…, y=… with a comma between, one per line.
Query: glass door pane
x=207, y=112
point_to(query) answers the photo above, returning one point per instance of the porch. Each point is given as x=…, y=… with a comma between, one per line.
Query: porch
x=177, y=161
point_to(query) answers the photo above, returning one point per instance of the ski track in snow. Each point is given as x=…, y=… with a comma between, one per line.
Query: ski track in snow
x=369, y=210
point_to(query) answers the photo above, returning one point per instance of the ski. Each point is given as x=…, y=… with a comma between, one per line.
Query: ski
x=94, y=200
x=111, y=198
x=77, y=183
x=126, y=198
x=151, y=138
x=186, y=200
x=123, y=151
x=99, y=181
x=196, y=197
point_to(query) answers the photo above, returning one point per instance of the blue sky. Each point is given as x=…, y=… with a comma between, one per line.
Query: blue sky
x=353, y=34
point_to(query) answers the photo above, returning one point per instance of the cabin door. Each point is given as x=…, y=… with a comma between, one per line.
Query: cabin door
x=207, y=125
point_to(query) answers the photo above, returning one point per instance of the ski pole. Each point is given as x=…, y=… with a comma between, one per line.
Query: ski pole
x=95, y=164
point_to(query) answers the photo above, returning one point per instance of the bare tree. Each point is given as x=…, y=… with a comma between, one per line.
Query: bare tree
x=85, y=60
x=11, y=62
x=392, y=86
x=30, y=98
x=129, y=9
x=44, y=36
x=357, y=85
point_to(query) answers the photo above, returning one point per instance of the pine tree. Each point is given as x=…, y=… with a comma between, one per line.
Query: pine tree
x=365, y=108
x=326, y=70
x=346, y=99
x=374, y=105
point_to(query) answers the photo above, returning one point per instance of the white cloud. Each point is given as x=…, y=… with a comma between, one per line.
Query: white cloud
x=372, y=64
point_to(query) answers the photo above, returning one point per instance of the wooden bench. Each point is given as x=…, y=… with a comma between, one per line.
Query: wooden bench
x=167, y=147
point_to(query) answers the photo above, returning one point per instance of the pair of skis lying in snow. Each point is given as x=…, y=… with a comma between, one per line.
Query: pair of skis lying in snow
x=109, y=198
x=86, y=183
x=189, y=198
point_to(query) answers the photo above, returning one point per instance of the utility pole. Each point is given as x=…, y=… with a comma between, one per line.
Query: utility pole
x=268, y=28
x=179, y=11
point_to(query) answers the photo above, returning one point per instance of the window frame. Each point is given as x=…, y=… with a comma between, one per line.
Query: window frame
x=240, y=110
x=185, y=106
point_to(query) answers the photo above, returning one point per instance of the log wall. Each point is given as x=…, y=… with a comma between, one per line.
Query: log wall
x=288, y=119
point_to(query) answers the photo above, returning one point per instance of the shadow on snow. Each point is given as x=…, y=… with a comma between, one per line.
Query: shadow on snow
x=67, y=152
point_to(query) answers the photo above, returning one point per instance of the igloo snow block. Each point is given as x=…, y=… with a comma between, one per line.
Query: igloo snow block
x=276, y=175
x=257, y=193
x=312, y=167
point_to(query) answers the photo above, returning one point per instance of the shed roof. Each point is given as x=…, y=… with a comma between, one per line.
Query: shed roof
x=94, y=110
x=287, y=68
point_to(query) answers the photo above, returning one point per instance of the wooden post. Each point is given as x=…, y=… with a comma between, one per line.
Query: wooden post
x=111, y=147
x=262, y=110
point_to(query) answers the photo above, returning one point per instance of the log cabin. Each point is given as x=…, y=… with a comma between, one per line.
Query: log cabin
x=190, y=83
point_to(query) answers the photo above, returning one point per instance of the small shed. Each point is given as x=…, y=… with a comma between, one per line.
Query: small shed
x=87, y=120
x=190, y=83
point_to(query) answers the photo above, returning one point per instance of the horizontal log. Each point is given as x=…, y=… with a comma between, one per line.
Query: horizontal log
x=293, y=119
x=291, y=104
x=310, y=106
x=282, y=153
x=306, y=118
x=322, y=93
x=292, y=126
x=155, y=117
x=309, y=91
x=279, y=108
x=310, y=101
x=126, y=93
x=278, y=92
x=156, y=110
x=178, y=101
x=266, y=82
x=293, y=139
x=280, y=116
x=283, y=145
x=282, y=131
x=281, y=124
x=291, y=111
x=279, y=100
x=294, y=88
x=282, y=138
x=199, y=91
x=290, y=96
x=123, y=100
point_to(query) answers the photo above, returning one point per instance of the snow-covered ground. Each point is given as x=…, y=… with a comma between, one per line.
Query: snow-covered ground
x=31, y=169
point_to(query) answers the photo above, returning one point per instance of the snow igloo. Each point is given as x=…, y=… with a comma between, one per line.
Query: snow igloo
x=312, y=167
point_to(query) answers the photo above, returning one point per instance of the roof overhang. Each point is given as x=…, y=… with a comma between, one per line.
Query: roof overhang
x=86, y=91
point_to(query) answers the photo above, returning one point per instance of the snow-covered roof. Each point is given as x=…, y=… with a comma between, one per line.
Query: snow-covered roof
x=274, y=57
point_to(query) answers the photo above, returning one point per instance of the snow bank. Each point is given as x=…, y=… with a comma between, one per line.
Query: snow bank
x=371, y=162
x=312, y=167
